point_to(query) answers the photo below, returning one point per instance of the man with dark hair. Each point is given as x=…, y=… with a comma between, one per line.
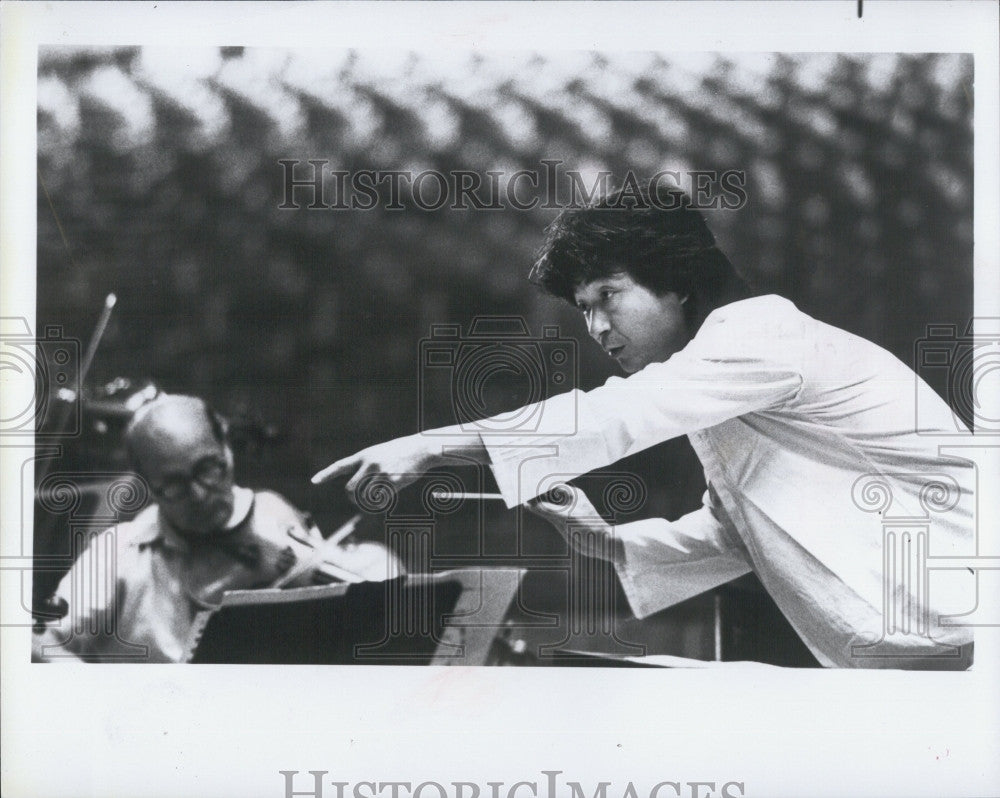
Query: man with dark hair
x=665, y=251
x=799, y=427
x=133, y=593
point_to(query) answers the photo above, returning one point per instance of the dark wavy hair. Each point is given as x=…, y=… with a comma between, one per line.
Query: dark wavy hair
x=658, y=239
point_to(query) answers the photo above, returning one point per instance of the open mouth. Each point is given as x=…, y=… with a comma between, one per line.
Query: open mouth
x=614, y=351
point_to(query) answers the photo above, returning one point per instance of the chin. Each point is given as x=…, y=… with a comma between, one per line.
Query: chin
x=215, y=523
x=223, y=517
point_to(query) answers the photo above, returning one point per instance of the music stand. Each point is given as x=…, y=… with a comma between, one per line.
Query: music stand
x=448, y=618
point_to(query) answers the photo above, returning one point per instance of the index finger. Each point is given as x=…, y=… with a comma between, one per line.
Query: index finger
x=343, y=466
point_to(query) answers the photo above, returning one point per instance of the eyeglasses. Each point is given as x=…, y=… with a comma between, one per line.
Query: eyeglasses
x=209, y=472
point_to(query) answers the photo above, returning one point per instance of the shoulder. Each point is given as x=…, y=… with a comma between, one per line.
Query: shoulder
x=275, y=509
x=127, y=539
x=764, y=323
x=144, y=528
x=275, y=518
x=769, y=310
x=271, y=503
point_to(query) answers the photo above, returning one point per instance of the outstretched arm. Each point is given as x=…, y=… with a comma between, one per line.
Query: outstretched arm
x=403, y=460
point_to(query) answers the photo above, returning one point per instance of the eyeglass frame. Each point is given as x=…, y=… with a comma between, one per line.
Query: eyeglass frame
x=184, y=482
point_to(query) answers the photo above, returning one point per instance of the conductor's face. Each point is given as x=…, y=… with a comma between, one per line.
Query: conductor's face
x=189, y=470
x=632, y=324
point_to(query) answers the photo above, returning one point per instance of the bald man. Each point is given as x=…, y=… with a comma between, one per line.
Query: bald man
x=134, y=592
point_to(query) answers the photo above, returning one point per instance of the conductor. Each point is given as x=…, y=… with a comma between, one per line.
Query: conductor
x=790, y=418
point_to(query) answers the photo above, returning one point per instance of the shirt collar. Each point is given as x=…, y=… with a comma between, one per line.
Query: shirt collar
x=163, y=532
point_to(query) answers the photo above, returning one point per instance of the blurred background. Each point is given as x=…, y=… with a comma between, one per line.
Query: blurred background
x=160, y=181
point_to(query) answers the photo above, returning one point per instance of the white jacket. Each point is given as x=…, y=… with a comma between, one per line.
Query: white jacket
x=819, y=481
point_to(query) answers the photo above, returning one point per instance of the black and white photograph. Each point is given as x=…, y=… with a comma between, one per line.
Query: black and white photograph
x=429, y=409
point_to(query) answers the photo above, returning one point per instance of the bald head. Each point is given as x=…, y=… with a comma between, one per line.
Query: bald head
x=171, y=421
x=177, y=444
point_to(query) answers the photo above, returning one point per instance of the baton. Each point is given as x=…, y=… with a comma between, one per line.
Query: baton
x=452, y=495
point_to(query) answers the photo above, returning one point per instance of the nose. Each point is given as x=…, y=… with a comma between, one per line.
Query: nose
x=597, y=324
x=198, y=492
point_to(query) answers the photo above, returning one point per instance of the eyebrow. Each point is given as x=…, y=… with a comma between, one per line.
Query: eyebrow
x=601, y=287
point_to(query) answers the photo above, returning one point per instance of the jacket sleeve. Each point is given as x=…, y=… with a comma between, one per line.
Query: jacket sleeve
x=731, y=368
x=666, y=562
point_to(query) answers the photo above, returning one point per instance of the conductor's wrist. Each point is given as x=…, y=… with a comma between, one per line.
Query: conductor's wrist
x=451, y=445
x=598, y=543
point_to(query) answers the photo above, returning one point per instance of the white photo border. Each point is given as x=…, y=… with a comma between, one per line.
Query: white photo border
x=229, y=731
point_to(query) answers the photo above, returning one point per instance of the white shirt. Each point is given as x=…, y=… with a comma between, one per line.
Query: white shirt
x=796, y=424
x=135, y=589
